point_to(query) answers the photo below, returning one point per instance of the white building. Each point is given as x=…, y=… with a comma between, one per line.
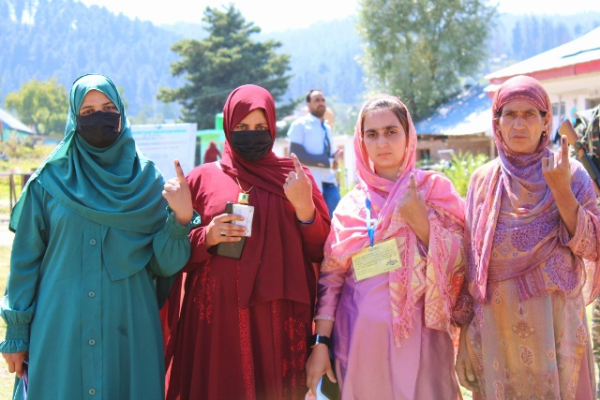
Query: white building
x=570, y=74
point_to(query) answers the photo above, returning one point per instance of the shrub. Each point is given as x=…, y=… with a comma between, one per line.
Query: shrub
x=462, y=167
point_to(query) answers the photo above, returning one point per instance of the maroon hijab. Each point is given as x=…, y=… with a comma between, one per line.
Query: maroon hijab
x=274, y=266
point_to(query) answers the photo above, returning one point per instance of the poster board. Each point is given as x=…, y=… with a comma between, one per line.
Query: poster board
x=163, y=143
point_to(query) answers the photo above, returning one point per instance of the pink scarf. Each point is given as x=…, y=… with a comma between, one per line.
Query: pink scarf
x=520, y=177
x=349, y=231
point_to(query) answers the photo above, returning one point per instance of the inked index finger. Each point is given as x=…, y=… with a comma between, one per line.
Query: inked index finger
x=179, y=171
x=297, y=165
x=564, y=147
x=412, y=184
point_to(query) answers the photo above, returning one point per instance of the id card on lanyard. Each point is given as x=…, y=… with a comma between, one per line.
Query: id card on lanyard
x=377, y=258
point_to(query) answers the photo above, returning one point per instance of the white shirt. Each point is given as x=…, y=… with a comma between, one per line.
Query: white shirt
x=310, y=133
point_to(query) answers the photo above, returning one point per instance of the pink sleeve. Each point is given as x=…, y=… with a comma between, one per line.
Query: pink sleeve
x=584, y=242
x=445, y=269
x=463, y=313
x=330, y=288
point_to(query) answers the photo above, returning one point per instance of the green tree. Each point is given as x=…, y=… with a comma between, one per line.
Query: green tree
x=419, y=49
x=227, y=58
x=42, y=105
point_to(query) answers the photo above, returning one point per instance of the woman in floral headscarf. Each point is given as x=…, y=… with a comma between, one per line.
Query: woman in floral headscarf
x=532, y=245
x=390, y=330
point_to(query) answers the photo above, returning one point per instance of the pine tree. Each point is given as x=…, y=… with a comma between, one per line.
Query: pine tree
x=227, y=58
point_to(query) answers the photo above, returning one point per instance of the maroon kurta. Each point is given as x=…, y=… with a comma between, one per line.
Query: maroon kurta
x=218, y=350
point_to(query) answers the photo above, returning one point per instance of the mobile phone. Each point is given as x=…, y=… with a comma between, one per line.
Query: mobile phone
x=231, y=249
x=329, y=389
x=25, y=377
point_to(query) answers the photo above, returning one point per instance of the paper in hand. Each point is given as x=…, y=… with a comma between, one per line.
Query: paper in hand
x=248, y=213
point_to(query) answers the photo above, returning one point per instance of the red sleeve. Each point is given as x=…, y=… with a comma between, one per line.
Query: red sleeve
x=199, y=252
x=210, y=191
x=314, y=236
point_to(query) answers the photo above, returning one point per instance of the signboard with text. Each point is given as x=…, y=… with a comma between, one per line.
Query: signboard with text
x=163, y=143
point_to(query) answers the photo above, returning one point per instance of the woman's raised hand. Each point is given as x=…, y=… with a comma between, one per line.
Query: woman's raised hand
x=177, y=194
x=558, y=178
x=556, y=171
x=414, y=211
x=298, y=190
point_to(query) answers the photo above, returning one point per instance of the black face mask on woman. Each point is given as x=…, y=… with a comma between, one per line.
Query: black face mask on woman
x=99, y=129
x=252, y=145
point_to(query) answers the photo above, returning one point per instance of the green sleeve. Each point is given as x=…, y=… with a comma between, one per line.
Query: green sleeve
x=29, y=246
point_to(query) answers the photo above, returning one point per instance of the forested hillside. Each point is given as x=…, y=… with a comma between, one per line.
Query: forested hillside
x=64, y=38
x=518, y=37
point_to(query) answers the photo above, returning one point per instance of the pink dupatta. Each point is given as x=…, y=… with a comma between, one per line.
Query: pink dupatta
x=519, y=179
x=419, y=275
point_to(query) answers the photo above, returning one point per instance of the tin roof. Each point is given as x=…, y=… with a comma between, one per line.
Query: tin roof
x=581, y=55
x=13, y=123
x=467, y=114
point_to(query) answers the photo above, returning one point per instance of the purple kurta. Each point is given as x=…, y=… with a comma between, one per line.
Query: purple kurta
x=368, y=364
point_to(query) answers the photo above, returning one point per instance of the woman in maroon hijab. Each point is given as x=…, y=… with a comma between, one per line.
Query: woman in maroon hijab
x=212, y=154
x=239, y=328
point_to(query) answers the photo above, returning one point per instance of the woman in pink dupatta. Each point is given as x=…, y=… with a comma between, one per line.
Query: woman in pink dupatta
x=532, y=245
x=391, y=333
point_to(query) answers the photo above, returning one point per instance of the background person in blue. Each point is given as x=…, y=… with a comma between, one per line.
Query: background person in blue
x=90, y=236
x=311, y=141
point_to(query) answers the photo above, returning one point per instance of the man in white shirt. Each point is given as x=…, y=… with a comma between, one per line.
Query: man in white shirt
x=311, y=140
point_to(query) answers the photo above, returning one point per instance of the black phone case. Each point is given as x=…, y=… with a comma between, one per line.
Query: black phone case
x=231, y=249
x=329, y=389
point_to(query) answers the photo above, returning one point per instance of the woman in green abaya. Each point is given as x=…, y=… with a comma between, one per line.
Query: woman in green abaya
x=92, y=234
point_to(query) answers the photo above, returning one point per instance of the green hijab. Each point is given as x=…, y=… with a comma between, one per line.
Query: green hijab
x=115, y=186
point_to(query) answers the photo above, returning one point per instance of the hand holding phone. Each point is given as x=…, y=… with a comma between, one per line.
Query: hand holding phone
x=232, y=249
x=221, y=229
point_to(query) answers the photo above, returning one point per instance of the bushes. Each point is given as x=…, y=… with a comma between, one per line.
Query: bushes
x=23, y=154
x=461, y=168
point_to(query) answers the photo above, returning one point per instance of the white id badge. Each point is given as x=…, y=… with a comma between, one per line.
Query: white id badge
x=248, y=213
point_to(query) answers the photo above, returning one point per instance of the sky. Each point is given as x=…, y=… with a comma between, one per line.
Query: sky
x=279, y=15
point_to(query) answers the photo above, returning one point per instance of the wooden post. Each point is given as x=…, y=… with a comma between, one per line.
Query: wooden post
x=11, y=185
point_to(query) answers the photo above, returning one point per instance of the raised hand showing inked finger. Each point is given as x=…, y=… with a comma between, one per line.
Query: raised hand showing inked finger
x=177, y=193
x=556, y=169
x=557, y=174
x=298, y=190
x=413, y=209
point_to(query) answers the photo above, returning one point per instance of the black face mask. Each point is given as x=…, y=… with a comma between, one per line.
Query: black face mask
x=99, y=129
x=252, y=145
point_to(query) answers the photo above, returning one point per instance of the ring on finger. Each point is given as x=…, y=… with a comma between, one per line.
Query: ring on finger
x=223, y=232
